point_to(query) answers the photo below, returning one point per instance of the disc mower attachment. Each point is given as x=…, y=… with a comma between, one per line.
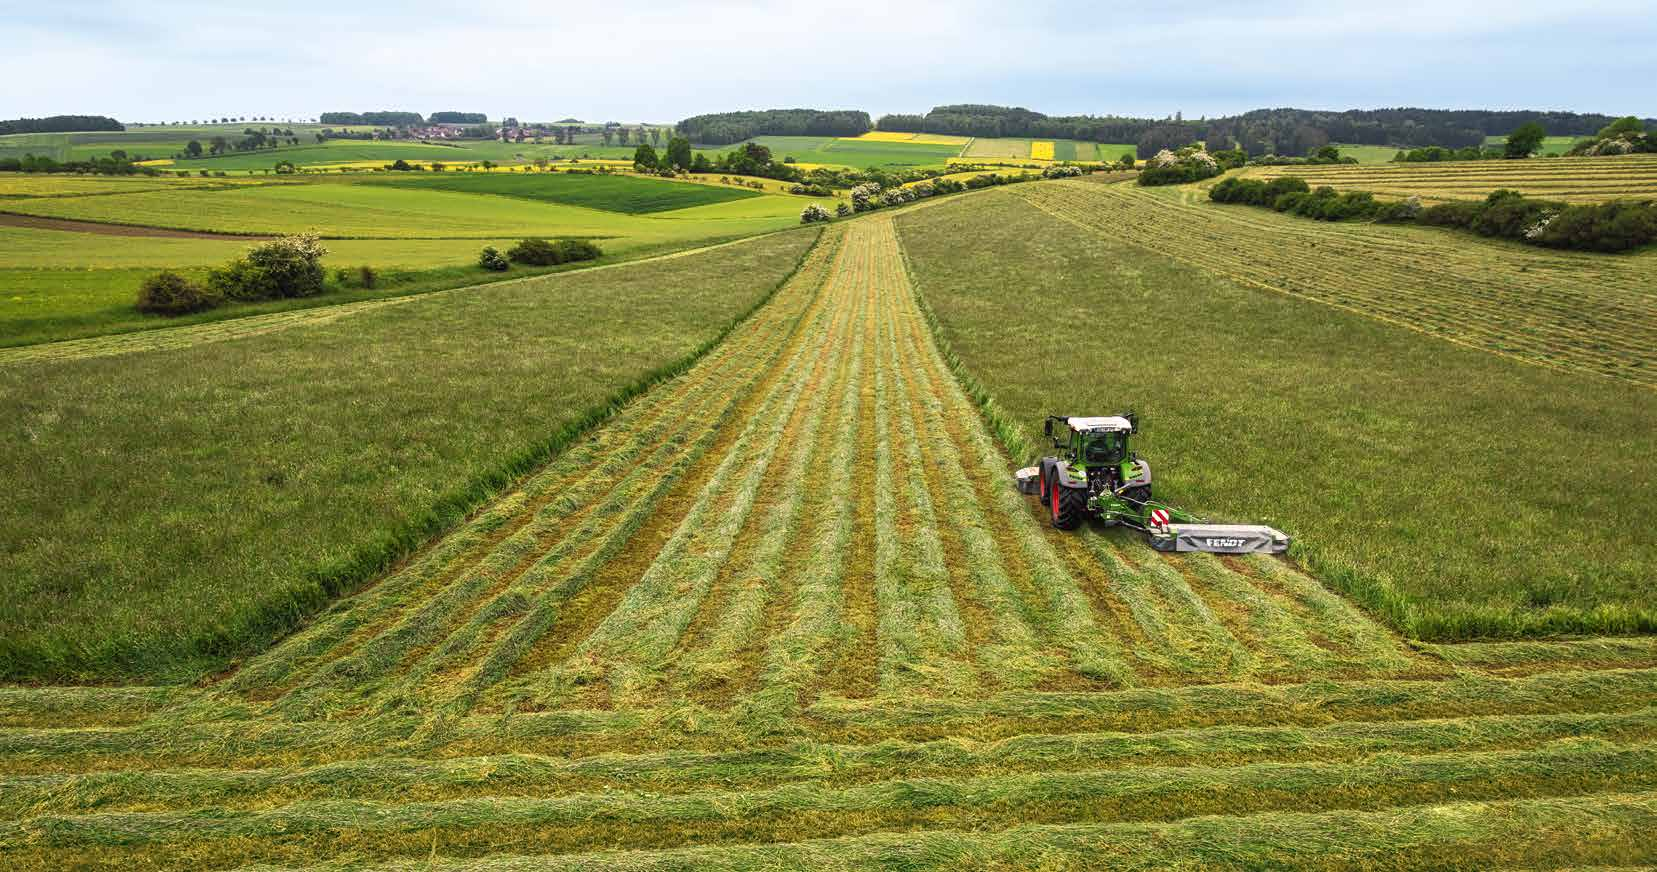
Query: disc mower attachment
x=1028, y=480
x=1220, y=538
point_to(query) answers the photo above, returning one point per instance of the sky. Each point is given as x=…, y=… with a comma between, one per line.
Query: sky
x=167, y=60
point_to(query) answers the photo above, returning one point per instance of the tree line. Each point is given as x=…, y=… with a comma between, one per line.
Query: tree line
x=387, y=118
x=60, y=124
x=724, y=128
x=1258, y=132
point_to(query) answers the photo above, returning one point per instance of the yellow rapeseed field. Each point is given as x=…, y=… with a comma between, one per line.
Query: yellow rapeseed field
x=1041, y=149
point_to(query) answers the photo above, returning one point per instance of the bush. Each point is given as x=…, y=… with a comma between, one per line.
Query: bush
x=546, y=252
x=810, y=190
x=491, y=259
x=842, y=210
x=1616, y=226
x=281, y=268
x=814, y=213
x=367, y=276
x=168, y=293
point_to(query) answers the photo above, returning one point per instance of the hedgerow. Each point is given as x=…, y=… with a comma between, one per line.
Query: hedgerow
x=1619, y=225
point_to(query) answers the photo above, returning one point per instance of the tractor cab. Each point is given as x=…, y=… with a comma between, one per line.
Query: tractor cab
x=1096, y=441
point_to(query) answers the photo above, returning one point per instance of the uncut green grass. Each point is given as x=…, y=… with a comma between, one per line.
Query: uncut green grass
x=333, y=446
x=630, y=194
x=373, y=211
x=1368, y=154
x=861, y=154
x=1456, y=493
x=57, y=285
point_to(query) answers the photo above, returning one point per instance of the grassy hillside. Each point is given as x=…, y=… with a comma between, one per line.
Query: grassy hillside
x=173, y=508
x=1571, y=179
x=630, y=194
x=784, y=611
x=1456, y=492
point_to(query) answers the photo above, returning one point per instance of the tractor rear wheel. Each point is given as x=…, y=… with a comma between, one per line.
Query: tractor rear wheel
x=1069, y=505
x=1045, y=485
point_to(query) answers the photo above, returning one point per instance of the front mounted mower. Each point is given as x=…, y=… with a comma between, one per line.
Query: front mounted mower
x=1096, y=475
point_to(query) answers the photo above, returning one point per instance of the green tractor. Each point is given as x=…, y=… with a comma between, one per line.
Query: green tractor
x=1098, y=476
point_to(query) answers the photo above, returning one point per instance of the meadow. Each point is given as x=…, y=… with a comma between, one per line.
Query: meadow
x=332, y=461
x=784, y=610
x=1551, y=145
x=1435, y=473
x=421, y=232
x=1569, y=179
x=859, y=153
x=630, y=194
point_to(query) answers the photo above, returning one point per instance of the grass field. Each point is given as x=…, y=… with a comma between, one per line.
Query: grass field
x=422, y=232
x=1571, y=179
x=860, y=153
x=785, y=611
x=1369, y=154
x=1422, y=478
x=333, y=459
x=630, y=194
x=1551, y=145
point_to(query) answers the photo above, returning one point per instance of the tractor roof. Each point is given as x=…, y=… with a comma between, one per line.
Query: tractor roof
x=1110, y=422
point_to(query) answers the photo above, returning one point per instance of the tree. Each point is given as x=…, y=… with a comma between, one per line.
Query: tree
x=609, y=134
x=655, y=136
x=678, y=153
x=644, y=158
x=219, y=144
x=624, y=133
x=1329, y=153
x=1525, y=140
x=193, y=148
x=1626, y=124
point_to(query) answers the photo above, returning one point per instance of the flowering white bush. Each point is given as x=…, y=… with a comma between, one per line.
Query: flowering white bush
x=1061, y=172
x=897, y=196
x=813, y=213
x=1410, y=208
x=842, y=210
x=863, y=196
x=1536, y=230
x=1163, y=158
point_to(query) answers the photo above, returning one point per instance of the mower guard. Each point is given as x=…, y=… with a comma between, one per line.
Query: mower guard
x=1220, y=538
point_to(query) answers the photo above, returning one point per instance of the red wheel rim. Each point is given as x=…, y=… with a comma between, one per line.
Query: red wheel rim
x=1054, y=490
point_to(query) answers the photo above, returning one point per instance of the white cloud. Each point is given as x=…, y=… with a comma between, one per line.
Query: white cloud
x=661, y=61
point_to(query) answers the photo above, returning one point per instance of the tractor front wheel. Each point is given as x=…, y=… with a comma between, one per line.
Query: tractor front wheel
x=1069, y=506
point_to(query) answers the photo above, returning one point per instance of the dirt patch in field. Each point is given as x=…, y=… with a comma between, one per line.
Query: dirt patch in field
x=11, y=219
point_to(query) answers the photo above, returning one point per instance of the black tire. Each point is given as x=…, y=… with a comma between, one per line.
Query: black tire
x=1069, y=507
x=1138, y=494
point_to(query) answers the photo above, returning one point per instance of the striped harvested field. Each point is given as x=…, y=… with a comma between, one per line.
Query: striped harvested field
x=1577, y=311
x=1570, y=179
x=786, y=611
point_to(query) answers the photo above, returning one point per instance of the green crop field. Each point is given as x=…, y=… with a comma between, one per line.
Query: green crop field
x=630, y=194
x=1369, y=154
x=1571, y=179
x=421, y=231
x=783, y=610
x=707, y=554
x=856, y=153
x=1551, y=145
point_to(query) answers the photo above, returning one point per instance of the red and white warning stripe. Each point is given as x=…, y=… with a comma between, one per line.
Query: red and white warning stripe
x=1159, y=517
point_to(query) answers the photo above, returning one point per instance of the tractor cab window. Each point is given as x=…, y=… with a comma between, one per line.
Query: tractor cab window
x=1104, y=447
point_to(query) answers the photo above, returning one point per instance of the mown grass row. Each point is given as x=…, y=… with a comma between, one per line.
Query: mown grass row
x=397, y=778
x=1526, y=833
x=319, y=829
